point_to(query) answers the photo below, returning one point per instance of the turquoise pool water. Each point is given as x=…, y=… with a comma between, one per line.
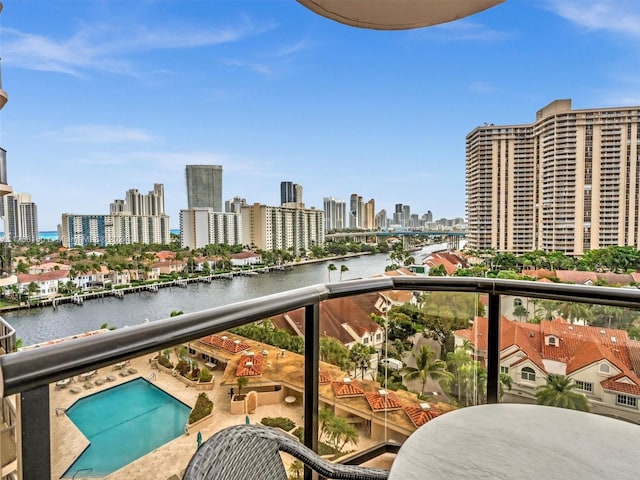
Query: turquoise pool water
x=123, y=424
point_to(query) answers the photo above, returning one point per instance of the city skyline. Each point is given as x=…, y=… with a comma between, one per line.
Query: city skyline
x=274, y=93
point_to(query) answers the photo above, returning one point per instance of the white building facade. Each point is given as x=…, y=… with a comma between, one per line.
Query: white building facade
x=200, y=227
x=285, y=228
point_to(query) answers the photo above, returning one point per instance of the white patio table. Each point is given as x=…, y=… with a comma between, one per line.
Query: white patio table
x=524, y=442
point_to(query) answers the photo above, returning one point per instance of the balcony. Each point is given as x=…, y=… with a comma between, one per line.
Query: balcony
x=28, y=377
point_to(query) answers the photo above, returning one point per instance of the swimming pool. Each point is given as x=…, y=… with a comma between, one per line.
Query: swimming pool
x=123, y=424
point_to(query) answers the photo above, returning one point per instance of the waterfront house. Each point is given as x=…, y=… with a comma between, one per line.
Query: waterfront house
x=37, y=269
x=245, y=259
x=47, y=282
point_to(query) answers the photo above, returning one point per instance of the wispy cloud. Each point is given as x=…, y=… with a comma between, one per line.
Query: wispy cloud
x=293, y=48
x=259, y=68
x=464, y=30
x=621, y=16
x=105, y=47
x=111, y=134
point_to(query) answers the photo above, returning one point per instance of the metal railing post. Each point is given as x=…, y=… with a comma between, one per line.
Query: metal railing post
x=311, y=379
x=493, y=349
x=35, y=434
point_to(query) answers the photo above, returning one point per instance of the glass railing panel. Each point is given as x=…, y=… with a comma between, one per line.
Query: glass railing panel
x=573, y=355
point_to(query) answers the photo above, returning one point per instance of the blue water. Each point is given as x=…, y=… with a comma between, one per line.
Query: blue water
x=123, y=424
x=53, y=235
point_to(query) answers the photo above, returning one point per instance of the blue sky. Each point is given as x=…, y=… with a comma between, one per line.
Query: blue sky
x=108, y=95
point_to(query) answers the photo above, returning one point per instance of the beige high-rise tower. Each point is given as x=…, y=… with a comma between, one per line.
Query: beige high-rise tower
x=568, y=182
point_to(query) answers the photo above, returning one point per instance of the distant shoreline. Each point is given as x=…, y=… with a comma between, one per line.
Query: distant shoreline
x=52, y=235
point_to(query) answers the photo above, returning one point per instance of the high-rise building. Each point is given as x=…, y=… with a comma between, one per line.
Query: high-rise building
x=204, y=186
x=284, y=228
x=287, y=193
x=20, y=216
x=235, y=205
x=381, y=219
x=136, y=203
x=356, y=211
x=335, y=212
x=200, y=227
x=369, y=216
x=136, y=219
x=570, y=181
x=291, y=194
x=103, y=230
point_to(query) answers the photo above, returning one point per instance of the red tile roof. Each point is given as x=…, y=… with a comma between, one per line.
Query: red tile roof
x=347, y=389
x=334, y=314
x=228, y=344
x=378, y=402
x=323, y=378
x=43, y=277
x=576, y=276
x=577, y=346
x=250, y=366
x=419, y=416
x=618, y=385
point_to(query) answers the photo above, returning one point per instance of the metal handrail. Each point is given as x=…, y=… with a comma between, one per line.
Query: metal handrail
x=29, y=369
x=30, y=372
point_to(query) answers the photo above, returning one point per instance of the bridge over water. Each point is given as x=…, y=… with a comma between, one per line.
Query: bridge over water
x=451, y=238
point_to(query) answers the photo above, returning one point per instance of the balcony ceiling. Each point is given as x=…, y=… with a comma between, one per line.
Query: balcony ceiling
x=396, y=14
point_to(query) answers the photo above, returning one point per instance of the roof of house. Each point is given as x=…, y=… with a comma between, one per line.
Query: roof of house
x=576, y=276
x=43, y=277
x=576, y=346
x=334, y=314
x=242, y=255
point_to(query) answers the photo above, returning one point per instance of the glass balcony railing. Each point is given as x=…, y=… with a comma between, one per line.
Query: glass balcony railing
x=490, y=340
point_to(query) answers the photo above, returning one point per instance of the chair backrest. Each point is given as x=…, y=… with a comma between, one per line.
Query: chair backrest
x=242, y=452
x=251, y=452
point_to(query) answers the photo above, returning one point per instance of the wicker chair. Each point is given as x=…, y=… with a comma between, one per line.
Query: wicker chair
x=251, y=452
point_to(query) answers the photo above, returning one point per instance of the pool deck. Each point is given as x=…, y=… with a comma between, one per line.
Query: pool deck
x=170, y=459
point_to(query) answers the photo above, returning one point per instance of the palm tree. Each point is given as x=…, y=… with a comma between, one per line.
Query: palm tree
x=242, y=382
x=296, y=468
x=438, y=271
x=456, y=361
x=332, y=268
x=520, y=311
x=324, y=417
x=573, y=312
x=505, y=381
x=428, y=368
x=343, y=268
x=558, y=392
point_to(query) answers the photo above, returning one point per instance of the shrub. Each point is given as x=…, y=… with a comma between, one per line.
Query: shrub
x=165, y=362
x=285, y=424
x=299, y=433
x=183, y=367
x=205, y=375
x=194, y=374
x=203, y=407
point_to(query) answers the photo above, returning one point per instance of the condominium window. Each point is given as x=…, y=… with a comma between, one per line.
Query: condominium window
x=504, y=369
x=528, y=374
x=585, y=386
x=626, y=401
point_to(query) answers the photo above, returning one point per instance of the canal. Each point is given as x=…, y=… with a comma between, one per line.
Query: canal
x=37, y=325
